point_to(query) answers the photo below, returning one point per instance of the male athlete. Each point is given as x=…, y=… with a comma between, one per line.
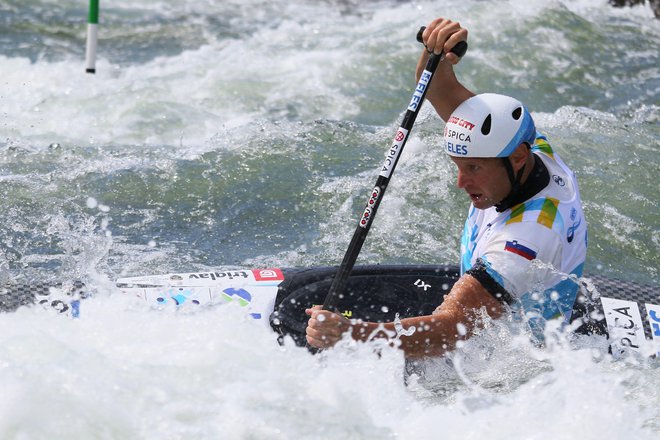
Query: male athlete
x=525, y=231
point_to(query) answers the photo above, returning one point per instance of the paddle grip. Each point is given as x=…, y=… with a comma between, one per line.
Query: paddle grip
x=459, y=49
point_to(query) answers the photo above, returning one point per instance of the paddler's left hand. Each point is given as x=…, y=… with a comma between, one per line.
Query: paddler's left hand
x=325, y=328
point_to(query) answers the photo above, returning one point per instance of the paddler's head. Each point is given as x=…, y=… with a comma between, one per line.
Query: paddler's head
x=489, y=137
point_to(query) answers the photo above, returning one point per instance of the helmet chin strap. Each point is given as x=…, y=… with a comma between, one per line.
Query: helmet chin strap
x=508, y=201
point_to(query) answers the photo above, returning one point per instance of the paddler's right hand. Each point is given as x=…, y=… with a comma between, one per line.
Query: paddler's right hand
x=445, y=92
x=443, y=34
x=325, y=328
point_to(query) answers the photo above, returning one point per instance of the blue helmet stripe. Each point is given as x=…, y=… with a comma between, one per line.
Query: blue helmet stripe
x=526, y=133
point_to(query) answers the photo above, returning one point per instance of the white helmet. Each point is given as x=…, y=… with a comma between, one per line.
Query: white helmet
x=488, y=125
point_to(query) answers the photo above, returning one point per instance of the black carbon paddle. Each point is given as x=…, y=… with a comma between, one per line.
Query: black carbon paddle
x=391, y=159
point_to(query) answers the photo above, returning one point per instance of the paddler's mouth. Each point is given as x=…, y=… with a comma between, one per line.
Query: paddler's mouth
x=476, y=197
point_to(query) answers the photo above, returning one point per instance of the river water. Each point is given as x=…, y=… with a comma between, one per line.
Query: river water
x=246, y=133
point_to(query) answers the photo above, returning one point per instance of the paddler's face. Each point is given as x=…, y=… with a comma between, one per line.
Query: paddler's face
x=484, y=180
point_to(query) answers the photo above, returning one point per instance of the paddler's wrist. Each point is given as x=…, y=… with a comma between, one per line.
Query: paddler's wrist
x=364, y=331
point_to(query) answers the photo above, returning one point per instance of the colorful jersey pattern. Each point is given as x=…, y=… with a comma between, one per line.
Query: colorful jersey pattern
x=536, y=249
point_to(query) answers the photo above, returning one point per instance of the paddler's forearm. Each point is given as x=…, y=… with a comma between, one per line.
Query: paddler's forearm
x=445, y=91
x=433, y=334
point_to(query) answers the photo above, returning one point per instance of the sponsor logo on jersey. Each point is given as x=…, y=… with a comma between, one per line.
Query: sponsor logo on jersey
x=586, y=238
x=570, y=234
x=558, y=180
x=519, y=249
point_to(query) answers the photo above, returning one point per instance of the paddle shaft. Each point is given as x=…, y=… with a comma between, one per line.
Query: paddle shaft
x=392, y=158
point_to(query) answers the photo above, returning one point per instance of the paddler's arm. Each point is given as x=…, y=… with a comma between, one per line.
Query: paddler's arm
x=455, y=319
x=445, y=91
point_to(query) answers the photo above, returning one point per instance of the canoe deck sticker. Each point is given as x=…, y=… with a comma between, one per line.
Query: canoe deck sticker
x=653, y=312
x=252, y=289
x=624, y=324
x=273, y=276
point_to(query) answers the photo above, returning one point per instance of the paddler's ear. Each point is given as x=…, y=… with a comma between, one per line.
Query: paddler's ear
x=520, y=156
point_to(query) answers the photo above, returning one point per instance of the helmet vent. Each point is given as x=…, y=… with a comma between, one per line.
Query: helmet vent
x=485, y=127
x=517, y=113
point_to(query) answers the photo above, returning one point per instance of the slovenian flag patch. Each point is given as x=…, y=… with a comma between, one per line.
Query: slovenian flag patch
x=517, y=248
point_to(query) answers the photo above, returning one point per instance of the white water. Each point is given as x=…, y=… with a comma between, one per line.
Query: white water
x=197, y=107
x=123, y=371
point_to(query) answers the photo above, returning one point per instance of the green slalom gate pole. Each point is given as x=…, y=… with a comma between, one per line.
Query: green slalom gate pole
x=92, y=36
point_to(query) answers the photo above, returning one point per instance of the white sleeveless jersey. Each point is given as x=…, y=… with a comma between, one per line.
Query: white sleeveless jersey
x=532, y=248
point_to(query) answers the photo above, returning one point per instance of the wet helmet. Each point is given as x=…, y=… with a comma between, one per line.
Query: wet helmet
x=488, y=125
